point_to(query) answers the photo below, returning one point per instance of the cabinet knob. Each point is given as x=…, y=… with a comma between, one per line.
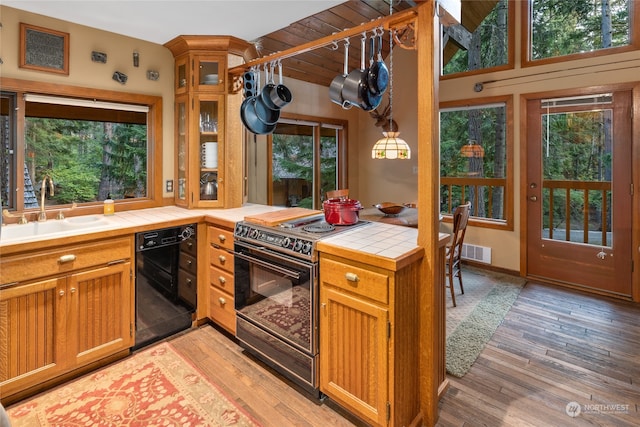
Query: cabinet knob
x=190, y=245
x=189, y=262
x=188, y=282
x=222, y=280
x=222, y=258
x=222, y=301
x=352, y=277
x=222, y=237
x=324, y=305
x=61, y=293
x=73, y=290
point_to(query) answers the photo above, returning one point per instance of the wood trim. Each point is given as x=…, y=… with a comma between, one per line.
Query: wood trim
x=428, y=41
x=24, y=50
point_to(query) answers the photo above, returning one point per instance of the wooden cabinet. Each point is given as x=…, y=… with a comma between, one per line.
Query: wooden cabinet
x=62, y=309
x=369, y=339
x=208, y=130
x=221, y=280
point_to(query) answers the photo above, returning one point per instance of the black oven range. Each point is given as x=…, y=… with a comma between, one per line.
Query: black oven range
x=276, y=294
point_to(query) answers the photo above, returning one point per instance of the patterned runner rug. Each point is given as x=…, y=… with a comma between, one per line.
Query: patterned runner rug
x=488, y=297
x=156, y=387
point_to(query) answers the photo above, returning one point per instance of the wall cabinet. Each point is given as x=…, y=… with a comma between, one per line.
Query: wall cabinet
x=208, y=129
x=221, y=280
x=62, y=309
x=369, y=339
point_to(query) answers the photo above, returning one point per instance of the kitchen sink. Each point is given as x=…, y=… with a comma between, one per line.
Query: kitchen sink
x=17, y=232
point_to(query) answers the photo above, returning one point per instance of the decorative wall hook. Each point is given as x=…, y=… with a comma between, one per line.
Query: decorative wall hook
x=100, y=57
x=120, y=77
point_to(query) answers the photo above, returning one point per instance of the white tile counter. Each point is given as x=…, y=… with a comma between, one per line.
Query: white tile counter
x=133, y=221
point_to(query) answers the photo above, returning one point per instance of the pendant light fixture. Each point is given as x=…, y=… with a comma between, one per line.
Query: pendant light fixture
x=391, y=146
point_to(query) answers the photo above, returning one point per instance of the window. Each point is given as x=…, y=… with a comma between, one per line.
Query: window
x=482, y=41
x=92, y=149
x=476, y=160
x=307, y=161
x=560, y=28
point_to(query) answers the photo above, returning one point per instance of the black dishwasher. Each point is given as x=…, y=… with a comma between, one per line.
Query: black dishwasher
x=166, y=282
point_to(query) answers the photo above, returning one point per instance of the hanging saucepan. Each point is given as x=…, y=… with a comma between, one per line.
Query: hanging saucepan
x=335, y=88
x=378, y=77
x=265, y=113
x=250, y=118
x=355, y=80
x=269, y=86
x=369, y=100
x=280, y=96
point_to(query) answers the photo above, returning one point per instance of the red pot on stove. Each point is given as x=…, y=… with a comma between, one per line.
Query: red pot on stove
x=341, y=211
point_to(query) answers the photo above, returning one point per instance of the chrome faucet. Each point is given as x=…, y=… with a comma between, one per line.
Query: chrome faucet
x=42, y=216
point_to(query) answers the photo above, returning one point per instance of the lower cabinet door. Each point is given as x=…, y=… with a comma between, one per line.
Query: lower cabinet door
x=100, y=312
x=354, y=354
x=32, y=329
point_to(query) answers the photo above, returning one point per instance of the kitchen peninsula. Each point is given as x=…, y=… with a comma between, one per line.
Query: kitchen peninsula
x=383, y=255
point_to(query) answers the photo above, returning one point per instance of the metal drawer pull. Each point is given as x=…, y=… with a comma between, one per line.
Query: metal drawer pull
x=352, y=277
x=189, y=262
x=222, y=280
x=222, y=301
x=61, y=293
x=188, y=282
x=222, y=237
x=222, y=258
x=66, y=258
x=73, y=290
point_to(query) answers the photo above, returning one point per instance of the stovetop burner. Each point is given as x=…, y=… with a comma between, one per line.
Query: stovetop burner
x=322, y=227
x=296, y=237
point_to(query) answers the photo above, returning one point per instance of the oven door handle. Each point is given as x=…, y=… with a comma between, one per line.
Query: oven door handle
x=264, y=264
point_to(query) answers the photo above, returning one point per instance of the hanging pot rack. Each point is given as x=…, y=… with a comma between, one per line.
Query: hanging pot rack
x=401, y=22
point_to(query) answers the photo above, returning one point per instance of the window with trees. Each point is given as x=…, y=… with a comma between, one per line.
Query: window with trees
x=560, y=28
x=307, y=160
x=482, y=41
x=91, y=149
x=476, y=163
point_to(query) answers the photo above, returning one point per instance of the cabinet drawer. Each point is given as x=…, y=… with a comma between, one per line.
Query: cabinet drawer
x=354, y=279
x=49, y=262
x=187, y=287
x=221, y=258
x=189, y=247
x=221, y=309
x=221, y=279
x=188, y=263
x=221, y=237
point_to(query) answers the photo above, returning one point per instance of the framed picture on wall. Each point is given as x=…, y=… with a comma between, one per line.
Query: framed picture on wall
x=42, y=49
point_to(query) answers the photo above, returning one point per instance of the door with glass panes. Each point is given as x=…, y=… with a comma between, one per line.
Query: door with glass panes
x=578, y=190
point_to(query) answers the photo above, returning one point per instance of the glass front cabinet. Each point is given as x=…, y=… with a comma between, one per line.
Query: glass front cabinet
x=205, y=150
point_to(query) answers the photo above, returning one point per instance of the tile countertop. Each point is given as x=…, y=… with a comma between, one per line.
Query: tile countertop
x=389, y=246
x=134, y=221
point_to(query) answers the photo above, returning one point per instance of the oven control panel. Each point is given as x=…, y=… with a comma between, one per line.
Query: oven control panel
x=291, y=244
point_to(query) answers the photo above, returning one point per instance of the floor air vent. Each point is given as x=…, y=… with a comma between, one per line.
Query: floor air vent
x=476, y=253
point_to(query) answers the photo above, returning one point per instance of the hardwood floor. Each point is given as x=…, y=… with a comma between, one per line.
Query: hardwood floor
x=554, y=347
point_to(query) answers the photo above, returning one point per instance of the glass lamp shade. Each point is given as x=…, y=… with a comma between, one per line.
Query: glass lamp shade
x=391, y=147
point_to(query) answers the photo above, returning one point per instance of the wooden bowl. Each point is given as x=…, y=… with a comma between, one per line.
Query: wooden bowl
x=390, y=209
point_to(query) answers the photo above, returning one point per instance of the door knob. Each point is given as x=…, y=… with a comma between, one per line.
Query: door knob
x=601, y=255
x=533, y=198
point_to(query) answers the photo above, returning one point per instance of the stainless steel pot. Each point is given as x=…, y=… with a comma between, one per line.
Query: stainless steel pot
x=355, y=80
x=341, y=211
x=335, y=88
x=378, y=77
